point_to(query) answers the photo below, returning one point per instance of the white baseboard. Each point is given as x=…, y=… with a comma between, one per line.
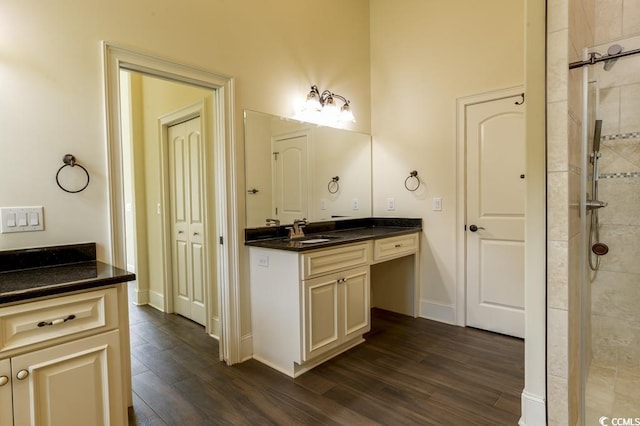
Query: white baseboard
x=438, y=312
x=140, y=297
x=534, y=411
x=246, y=347
x=156, y=300
x=215, y=328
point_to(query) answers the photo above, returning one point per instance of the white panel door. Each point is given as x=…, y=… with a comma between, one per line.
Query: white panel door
x=290, y=168
x=495, y=141
x=186, y=176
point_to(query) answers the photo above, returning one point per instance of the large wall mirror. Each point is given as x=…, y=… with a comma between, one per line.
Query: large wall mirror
x=298, y=170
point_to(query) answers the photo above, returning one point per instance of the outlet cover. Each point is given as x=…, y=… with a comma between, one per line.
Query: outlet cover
x=391, y=204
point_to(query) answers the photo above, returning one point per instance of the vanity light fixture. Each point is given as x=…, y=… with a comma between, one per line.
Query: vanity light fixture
x=325, y=104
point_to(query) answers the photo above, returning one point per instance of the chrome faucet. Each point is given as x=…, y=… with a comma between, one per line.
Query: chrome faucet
x=296, y=231
x=273, y=222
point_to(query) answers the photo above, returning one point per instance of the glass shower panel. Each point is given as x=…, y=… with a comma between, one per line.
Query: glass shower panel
x=611, y=319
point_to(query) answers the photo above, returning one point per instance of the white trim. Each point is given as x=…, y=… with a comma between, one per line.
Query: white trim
x=140, y=297
x=246, y=347
x=438, y=312
x=461, y=191
x=156, y=300
x=116, y=58
x=534, y=412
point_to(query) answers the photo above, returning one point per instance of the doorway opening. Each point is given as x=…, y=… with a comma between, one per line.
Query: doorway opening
x=152, y=210
x=165, y=136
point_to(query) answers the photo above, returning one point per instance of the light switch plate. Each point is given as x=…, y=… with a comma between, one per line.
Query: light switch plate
x=391, y=204
x=21, y=219
x=436, y=204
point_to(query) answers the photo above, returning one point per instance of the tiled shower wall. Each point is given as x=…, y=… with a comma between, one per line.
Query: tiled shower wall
x=570, y=28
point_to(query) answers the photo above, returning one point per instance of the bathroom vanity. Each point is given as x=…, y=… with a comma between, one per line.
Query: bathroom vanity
x=311, y=297
x=64, y=338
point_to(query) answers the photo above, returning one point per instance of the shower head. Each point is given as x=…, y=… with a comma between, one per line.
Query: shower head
x=597, y=131
x=614, y=49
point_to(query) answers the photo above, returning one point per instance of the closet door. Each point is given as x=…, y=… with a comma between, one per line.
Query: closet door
x=186, y=176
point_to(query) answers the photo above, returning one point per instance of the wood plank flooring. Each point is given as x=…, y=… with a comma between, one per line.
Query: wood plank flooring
x=409, y=372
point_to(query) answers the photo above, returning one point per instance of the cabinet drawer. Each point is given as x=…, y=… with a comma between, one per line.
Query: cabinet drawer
x=35, y=322
x=389, y=248
x=330, y=260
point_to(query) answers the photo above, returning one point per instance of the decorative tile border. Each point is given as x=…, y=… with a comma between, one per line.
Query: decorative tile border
x=618, y=175
x=632, y=135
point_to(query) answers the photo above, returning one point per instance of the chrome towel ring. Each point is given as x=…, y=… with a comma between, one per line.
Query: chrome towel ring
x=412, y=182
x=70, y=161
x=333, y=186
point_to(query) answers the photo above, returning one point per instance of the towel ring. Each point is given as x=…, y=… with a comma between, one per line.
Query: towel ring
x=333, y=186
x=412, y=175
x=70, y=161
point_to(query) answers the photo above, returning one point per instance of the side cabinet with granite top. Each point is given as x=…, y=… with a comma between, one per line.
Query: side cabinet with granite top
x=309, y=306
x=64, y=360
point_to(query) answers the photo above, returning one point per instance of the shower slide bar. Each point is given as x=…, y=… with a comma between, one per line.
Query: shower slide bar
x=593, y=60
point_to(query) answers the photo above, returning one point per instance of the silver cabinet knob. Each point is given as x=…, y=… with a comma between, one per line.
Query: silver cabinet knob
x=4, y=380
x=22, y=374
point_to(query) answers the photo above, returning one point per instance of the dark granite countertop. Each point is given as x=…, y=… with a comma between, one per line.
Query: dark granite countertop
x=336, y=232
x=30, y=273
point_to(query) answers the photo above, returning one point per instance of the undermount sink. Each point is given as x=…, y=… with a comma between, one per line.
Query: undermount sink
x=313, y=239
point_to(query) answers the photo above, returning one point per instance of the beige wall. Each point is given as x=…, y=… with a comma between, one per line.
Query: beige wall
x=425, y=55
x=53, y=102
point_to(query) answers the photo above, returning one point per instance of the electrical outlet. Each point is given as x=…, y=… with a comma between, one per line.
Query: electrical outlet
x=355, y=204
x=436, y=204
x=263, y=261
x=323, y=204
x=391, y=204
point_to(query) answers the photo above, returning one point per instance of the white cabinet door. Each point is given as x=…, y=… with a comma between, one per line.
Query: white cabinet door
x=6, y=410
x=336, y=309
x=355, y=306
x=321, y=308
x=77, y=383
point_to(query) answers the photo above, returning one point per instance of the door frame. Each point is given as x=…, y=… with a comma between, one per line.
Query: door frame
x=461, y=190
x=116, y=58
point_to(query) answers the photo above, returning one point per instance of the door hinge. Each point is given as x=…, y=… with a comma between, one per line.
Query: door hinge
x=221, y=240
x=275, y=156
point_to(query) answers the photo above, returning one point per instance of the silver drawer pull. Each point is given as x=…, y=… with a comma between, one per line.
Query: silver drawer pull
x=56, y=321
x=4, y=380
x=22, y=374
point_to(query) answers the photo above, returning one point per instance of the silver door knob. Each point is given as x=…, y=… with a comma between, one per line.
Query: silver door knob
x=474, y=228
x=4, y=380
x=22, y=374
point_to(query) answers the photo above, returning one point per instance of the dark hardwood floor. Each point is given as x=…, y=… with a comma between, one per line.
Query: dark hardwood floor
x=410, y=371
